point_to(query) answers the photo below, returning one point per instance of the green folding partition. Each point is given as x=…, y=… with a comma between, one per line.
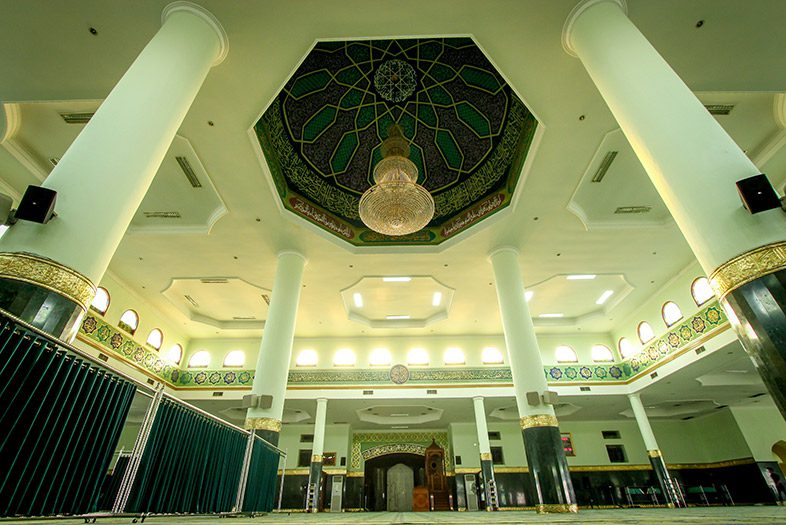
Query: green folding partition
x=262, y=474
x=61, y=419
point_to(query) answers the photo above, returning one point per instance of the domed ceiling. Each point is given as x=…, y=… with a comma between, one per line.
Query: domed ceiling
x=469, y=133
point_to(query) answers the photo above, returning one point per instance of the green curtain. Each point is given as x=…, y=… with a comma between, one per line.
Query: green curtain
x=61, y=419
x=191, y=464
x=261, y=485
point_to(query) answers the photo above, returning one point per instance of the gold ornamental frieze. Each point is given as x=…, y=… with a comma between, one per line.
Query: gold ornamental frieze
x=538, y=420
x=748, y=267
x=556, y=507
x=263, y=423
x=49, y=274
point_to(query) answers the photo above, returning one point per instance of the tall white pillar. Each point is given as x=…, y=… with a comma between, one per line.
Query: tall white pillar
x=319, y=430
x=275, y=351
x=689, y=157
x=104, y=175
x=669, y=490
x=48, y=271
x=526, y=363
x=548, y=466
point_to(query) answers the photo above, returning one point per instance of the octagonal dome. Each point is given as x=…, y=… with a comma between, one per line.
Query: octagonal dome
x=322, y=134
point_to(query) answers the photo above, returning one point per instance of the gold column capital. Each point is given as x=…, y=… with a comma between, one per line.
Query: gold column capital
x=654, y=453
x=748, y=267
x=538, y=420
x=556, y=507
x=263, y=423
x=49, y=274
x=485, y=456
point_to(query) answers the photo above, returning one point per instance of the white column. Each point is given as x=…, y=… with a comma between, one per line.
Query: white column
x=643, y=422
x=526, y=363
x=275, y=351
x=690, y=159
x=104, y=175
x=319, y=430
x=484, y=447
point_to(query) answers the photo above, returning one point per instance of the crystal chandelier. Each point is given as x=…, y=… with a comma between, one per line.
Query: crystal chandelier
x=396, y=204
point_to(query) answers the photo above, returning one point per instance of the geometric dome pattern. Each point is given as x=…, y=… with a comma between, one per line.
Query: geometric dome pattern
x=469, y=133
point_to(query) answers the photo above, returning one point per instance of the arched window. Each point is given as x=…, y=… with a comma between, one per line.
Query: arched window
x=627, y=349
x=155, y=339
x=646, y=334
x=417, y=356
x=101, y=301
x=129, y=321
x=602, y=354
x=174, y=354
x=454, y=356
x=491, y=356
x=344, y=357
x=379, y=357
x=307, y=358
x=701, y=290
x=235, y=358
x=671, y=313
x=565, y=354
x=199, y=360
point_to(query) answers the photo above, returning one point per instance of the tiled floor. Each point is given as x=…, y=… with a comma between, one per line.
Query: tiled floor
x=691, y=516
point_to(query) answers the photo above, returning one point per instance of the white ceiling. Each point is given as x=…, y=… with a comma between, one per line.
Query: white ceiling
x=735, y=57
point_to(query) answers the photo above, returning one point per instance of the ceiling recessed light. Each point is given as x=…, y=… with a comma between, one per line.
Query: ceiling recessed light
x=399, y=415
x=551, y=315
x=397, y=279
x=436, y=299
x=396, y=317
x=581, y=277
x=358, y=299
x=528, y=295
x=604, y=296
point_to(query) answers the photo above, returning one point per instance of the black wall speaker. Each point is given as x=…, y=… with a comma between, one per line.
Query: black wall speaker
x=757, y=194
x=37, y=205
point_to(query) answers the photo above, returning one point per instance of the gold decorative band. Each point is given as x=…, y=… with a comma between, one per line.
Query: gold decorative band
x=556, y=507
x=49, y=274
x=485, y=456
x=538, y=420
x=316, y=458
x=748, y=267
x=654, y=453
x=263, y=423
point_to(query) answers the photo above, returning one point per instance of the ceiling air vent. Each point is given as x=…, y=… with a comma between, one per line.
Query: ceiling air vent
x=214, y=280
x=161, y=214
x=103, y=357
x=77, y=118
x=192, y=301
x=431, y=392
x=54, y=160
x=368, y=392
x=218, y=394
x=584, y=388
x=151, y=382
x=754, y=396
x=633, y=209
x=266, y=298
x=653, y=375
x=699, y=350
x=719, y=109
x=604, y=166
x=241, y=318
x=188, y=171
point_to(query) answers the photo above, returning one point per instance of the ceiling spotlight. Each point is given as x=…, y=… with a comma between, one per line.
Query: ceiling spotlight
x=396, y=317
x=549, y=316
x=358, y=299
x=581, y=277
x=436, y=299
x=604, y=296
x=396, y=204
x=397, y=279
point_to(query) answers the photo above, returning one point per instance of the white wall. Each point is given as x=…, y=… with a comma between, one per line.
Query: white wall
x=336, y=440
x=762, y=426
